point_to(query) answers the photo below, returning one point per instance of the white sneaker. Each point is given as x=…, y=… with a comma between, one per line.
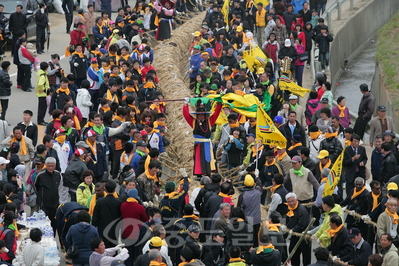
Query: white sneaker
x=323, y=71
x=327, y=68
x=307, y=66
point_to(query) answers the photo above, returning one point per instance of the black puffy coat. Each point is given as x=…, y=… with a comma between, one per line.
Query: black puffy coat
x=333, y=146
x=5, y=83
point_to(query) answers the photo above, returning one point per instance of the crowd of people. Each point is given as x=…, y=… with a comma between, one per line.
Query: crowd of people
x=97, y=171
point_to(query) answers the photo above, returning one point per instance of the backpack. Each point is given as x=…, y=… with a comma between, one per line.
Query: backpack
x=208, y=195
x=3, y=233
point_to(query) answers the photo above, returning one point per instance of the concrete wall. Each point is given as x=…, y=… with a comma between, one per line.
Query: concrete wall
x=358, y=30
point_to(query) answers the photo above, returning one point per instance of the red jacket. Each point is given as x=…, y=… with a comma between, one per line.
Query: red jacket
x=132, y=213
x=26, y=54
x=144, y=71
x=76, y=38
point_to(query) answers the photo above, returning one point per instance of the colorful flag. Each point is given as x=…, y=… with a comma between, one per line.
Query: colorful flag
x=255, y=58
x=334, y=176
x=245, y=105
x=285, y=83
x=267, y=131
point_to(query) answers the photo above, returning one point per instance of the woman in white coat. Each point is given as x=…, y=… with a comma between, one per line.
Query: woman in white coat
x=83, y=100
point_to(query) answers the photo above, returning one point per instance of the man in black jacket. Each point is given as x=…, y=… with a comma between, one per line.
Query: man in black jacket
x=293, y=127
x=265, y=254
x=29, y=129
x=321, y=255
x=47, y=183
x=17, y=22
x=107, y=211
x=331, y=144
x=355, y=160
x=206, y=192
x=340, y=245
x=389, y=166
x=361, y=250
x=297, y=221
x=48, y=141
x=41, y=24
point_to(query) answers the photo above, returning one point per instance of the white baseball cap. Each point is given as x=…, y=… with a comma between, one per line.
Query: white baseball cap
x=287, y=43
x=4, y=161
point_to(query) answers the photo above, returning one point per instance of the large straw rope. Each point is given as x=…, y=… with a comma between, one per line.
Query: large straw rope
x=171, y=63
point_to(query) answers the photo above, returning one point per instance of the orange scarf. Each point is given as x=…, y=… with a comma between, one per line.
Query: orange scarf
x=273, y=227
x=314, y=135
x=342, y=110
x=294, y=146
x=260, y=249
x=233, y=125
x=117, y=117
x=184, y=263
x=274, y=188
x=333, y=232
x=106, y=109
x=76, y=122
x=348, y=142
x=394, y=216
x=100, y=29
x=79, y=54
x=22, y=144
x=357, y=193
x=114, y=75
x=254, y=150
x=326, y=166
x=131, y=200
x=224, y=195
x=329, y=135
x=156, y=263
x=138, y=70
x=93, y=147
x=80, y=15
x=324, y=179
x=281, y=157
x=111, y=98
x=236, y=259
x=149, y=176
x=171, y=194
x=290, y=213
x=129, y=158
x=106, y=69
x=149, y=85
x=375, y=201
x=66, y=91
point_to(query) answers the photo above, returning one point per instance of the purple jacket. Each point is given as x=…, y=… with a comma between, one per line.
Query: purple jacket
x=346, y=120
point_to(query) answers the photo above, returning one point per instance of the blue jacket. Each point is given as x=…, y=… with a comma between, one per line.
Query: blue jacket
x=297, y=6
x=98, y=37
x=195, y=61
x=135, y=161
x=80, y=235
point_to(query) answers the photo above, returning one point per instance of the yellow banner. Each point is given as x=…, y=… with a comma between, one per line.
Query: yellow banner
x=255, y=58
x=264, y=2
x=334, y=176
x=237, y=103
x=225, y=12
x=267, y=131
x=286, y=84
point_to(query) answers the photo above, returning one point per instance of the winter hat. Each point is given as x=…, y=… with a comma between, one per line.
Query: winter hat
x=187, y=254
x=170, y=186
x=133, y=193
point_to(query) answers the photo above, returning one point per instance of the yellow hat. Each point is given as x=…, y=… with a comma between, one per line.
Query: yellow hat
x=239, y=29
x=392, y=186
x=197, y=34
x=261, y=70
x=249, y=181
x=323, y=154
x=156, y=242
x=280, y=148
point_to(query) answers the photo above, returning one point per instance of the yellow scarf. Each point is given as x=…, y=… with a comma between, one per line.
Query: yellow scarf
x=184, y=263
x=93, y=203
x=224, y=195
x=262, y=248
x=66, y=91
x=22, y=144
x=326, y=166
x=147, y=162
x=155, y=107
x=100, y=29
x=138, y=70
x=333, y=232
x=394, y=216
x=329, y=135
x=294, y=146
x=92, y=147
x=156, y=263
x=60, y=139
x=342, y=110
x=171, y=194
x=290, y=213
x=248, y=5
x=117, y=117
x=375, y=201
x=89, y=124
x=281, y=157
x=355, y=193
x=114, y=75
x=106, y=109
x=131, y=200
x=314, y=135
x=94, y=66
x=97, y=53
x=274, y=188
x=254, y=150
x=348, y=142
x=111, y=98
x=129, y=158
x=324, y=179
x=76, y=122
x=236, y=124
x=129, y=89
x=126, y=57
x=105, y=22
x=235, y=259
x=273, y=163
x=273, y=227
x=80, y=15
x=149, y=85
x=79, y=54
x=106, y=68
x=149, y=176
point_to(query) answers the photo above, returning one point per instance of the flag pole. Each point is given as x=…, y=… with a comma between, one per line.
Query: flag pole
x=256, y=165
